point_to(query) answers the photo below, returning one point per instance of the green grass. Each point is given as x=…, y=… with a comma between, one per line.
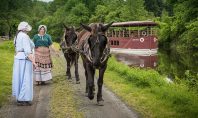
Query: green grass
x=149, y=93
x=63, y=102
x=6, y=65
x=56, y=46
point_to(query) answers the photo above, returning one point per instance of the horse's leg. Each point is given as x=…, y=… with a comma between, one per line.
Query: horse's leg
x=94, y=83
x=100, y=83
x=90, y=74
x=68, y=73
x=86, y=90
x=76, y=68
x=66, y=58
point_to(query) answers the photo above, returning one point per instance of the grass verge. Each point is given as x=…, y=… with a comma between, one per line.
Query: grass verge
x=63, y=103
x=149, y=93
x=6, y=65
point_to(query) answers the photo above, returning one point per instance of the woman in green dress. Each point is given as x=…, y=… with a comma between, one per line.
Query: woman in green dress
x=43, y=59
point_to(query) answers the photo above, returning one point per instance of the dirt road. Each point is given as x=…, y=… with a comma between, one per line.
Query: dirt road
x=113, y=106
x=39, y=109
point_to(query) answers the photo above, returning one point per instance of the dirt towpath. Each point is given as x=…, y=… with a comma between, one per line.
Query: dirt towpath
x=113, y=106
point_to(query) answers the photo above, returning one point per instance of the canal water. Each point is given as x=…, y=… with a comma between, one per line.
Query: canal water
x=168, y=63
x=142, y=61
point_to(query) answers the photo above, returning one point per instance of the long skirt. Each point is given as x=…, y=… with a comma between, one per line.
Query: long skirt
x=22, y=80
x=44, y=62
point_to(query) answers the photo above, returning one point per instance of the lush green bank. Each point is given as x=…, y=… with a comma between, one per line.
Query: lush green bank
x=149, y=93
x=6, y=64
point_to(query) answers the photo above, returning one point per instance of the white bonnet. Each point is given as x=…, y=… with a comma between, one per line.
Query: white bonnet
x=24, y=26
x=45, y=27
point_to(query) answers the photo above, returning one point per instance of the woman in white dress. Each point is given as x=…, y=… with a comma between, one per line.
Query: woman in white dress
x=22, y=80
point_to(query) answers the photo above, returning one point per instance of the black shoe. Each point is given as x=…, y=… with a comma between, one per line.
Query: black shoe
x=43, y=83
x=38, y=83
x=28, y=103
x=21, y=103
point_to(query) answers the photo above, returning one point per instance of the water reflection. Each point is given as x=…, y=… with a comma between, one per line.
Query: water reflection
x=171, y=63
x=143, y=61
x=175, y=64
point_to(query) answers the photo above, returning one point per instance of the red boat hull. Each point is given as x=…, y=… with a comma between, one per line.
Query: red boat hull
x=148, y=42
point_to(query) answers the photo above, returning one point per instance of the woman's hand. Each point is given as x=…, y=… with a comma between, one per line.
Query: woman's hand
x=31, y=58
x=52, y=49
x=35, y=65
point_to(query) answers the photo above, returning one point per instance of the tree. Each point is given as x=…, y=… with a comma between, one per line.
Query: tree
x=12, y=12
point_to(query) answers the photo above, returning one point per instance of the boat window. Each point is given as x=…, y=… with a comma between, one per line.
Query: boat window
x=140, y=31
x=111, y=42
x=117, y=42
x=114, y=43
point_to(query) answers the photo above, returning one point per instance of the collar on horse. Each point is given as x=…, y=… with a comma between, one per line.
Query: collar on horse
x=86, y=50
x=73, y=47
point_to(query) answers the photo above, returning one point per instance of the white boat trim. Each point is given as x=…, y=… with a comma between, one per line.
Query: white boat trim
x=134, y=51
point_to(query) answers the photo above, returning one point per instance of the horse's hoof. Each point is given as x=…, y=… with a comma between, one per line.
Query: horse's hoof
x=100, y=103
x=69, y=78
x=91, y=97
x=78, y=82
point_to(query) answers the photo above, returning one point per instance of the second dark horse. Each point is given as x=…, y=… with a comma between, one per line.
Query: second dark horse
x=70, y=50
x=95, y=51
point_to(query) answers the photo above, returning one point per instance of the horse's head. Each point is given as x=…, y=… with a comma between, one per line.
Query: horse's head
x=70, y=36
x=97, y=41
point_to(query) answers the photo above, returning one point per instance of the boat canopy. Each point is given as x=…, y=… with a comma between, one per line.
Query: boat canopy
x=134, y=23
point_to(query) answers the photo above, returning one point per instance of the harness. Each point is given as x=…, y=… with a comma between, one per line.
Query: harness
x=73, y=47
x=86, y=50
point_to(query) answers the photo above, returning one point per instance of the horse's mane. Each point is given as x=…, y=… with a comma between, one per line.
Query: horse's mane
x=83, y=32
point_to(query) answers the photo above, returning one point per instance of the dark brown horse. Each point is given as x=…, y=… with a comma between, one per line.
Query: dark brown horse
x=70, y=50
x=95, y=51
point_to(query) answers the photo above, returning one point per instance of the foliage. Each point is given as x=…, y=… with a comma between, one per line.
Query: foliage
x=9, y=14
x=118, y=10
x=179, y=36
x=70, y=12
